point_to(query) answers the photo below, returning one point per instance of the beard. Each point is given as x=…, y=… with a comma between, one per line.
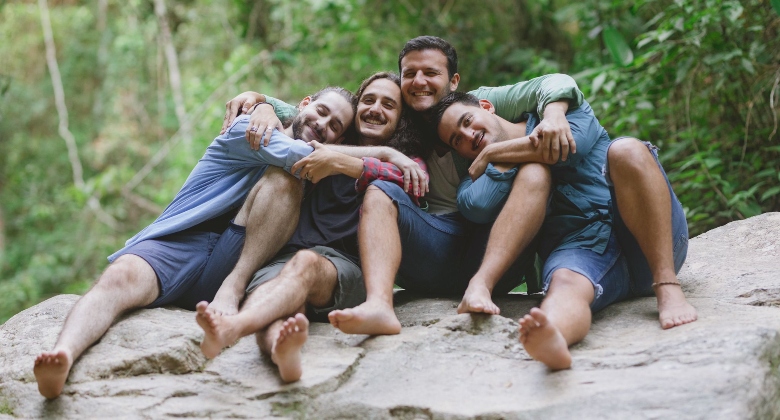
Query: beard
x=297, y=126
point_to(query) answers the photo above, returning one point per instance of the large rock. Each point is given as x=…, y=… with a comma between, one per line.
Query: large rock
x=443, y=365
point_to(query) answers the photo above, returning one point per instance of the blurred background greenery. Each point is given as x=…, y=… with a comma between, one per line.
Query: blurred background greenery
x=144, y=84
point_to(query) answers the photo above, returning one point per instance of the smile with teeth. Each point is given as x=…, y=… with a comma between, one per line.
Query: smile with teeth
x=478, y=140
x=422, y=93
x=374, y=121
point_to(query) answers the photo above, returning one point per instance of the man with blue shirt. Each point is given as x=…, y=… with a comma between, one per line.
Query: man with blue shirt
x=614, y=227
x=199, y=239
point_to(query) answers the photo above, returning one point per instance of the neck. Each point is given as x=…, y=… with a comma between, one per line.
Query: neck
x=371, y=141
x=512, y=130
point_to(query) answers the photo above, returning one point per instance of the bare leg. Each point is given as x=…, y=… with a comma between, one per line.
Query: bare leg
x=515, y=228
x=563, y=320
x=380, y=260
x=270, y=214
x=283, y=341
x=645, y=206
x=307, y=277
x=126, y=284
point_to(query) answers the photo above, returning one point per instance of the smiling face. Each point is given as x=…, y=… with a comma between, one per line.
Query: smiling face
x=424, y=79
x=378, y=111
x=325, y=119
x=469, y=129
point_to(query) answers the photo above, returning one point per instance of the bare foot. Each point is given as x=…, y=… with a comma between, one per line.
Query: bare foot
x=477, y=299
x=51, y=371
x=286, y=349
x=673, y=308
x=218, y=329
x=225, y=302
x=370, y=317
x=543, y=341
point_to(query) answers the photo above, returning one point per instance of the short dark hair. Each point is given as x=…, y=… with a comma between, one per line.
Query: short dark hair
x=350, y=136
x=428, y=42
x=437, y=111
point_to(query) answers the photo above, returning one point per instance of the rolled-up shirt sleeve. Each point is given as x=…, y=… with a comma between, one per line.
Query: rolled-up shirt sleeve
x=482, y=200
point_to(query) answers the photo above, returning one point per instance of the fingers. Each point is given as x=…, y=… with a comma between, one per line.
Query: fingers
x=570, y=140
x=534, y=137
x=555, y=147
x=247, y=106
x=231, y=112
x=299, y=165
x=407, y=179
x=415, y=183
x=315, y=144
x=267, y=136
x=564, y=146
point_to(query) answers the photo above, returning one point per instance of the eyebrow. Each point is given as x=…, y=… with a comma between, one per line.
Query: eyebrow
x=375, y=96
x=460, y=122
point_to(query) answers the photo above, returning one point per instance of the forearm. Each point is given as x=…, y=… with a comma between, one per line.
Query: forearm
x=382, y=153
x=348, y=165
x=519, y=150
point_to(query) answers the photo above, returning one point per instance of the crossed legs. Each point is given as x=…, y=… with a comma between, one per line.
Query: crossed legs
x=274, y=312
x=130, y=282
x=270, y=214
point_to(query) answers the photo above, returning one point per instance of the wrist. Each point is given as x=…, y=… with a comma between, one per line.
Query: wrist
x=559, y=107
x=263, y=102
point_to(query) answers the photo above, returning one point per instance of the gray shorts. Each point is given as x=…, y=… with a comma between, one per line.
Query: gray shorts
x=350, y=290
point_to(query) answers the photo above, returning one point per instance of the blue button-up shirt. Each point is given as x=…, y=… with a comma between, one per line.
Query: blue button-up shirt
x=221, y=180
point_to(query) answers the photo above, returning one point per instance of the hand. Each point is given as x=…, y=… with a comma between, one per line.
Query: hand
x=261, y=125
x=320, y=163
x=237, y=106
x=554, y=135
x=414, y=176
x=479, y=165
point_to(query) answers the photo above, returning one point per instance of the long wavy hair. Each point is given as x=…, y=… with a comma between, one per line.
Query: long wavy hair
x=406, y=138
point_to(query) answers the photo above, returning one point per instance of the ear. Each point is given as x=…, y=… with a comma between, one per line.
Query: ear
x=305, y=101
x=487, y=106
x=454, y=81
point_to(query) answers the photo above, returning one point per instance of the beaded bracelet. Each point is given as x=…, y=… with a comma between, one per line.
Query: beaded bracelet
x=655, y=285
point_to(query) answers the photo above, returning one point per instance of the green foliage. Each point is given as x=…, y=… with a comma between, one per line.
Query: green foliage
x=695, y=77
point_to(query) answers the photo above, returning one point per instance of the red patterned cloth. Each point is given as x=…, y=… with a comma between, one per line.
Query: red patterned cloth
x=375, y=169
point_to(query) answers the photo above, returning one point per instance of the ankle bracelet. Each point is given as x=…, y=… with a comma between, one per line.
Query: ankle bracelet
x=656, y=285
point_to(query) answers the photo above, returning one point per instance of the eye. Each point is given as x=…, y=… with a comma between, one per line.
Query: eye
x=432, y=73
x=467, y=121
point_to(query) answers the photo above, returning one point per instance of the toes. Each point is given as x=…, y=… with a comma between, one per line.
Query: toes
x=201, y=307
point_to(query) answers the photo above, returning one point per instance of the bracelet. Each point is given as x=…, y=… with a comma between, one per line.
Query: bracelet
x=656, y=285
x=261, y=103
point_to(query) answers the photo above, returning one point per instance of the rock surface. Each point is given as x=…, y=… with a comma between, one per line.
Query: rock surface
x=443, y=365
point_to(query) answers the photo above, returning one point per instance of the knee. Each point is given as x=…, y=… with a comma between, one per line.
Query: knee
x=127, y=274
x=563, y=279
x=278, y=181
x=376, y=200
x=534, y=177
x=629, y=154
x=301, y=265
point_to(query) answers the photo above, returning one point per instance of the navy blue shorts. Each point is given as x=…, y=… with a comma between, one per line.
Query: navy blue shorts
x=191, y=265
x=622, y=272
x=441, y=253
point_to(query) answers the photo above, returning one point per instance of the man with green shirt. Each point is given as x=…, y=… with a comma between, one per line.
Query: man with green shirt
x=439, y=251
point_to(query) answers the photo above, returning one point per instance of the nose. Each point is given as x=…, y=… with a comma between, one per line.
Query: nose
x=375, y=108
x=419, y=78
